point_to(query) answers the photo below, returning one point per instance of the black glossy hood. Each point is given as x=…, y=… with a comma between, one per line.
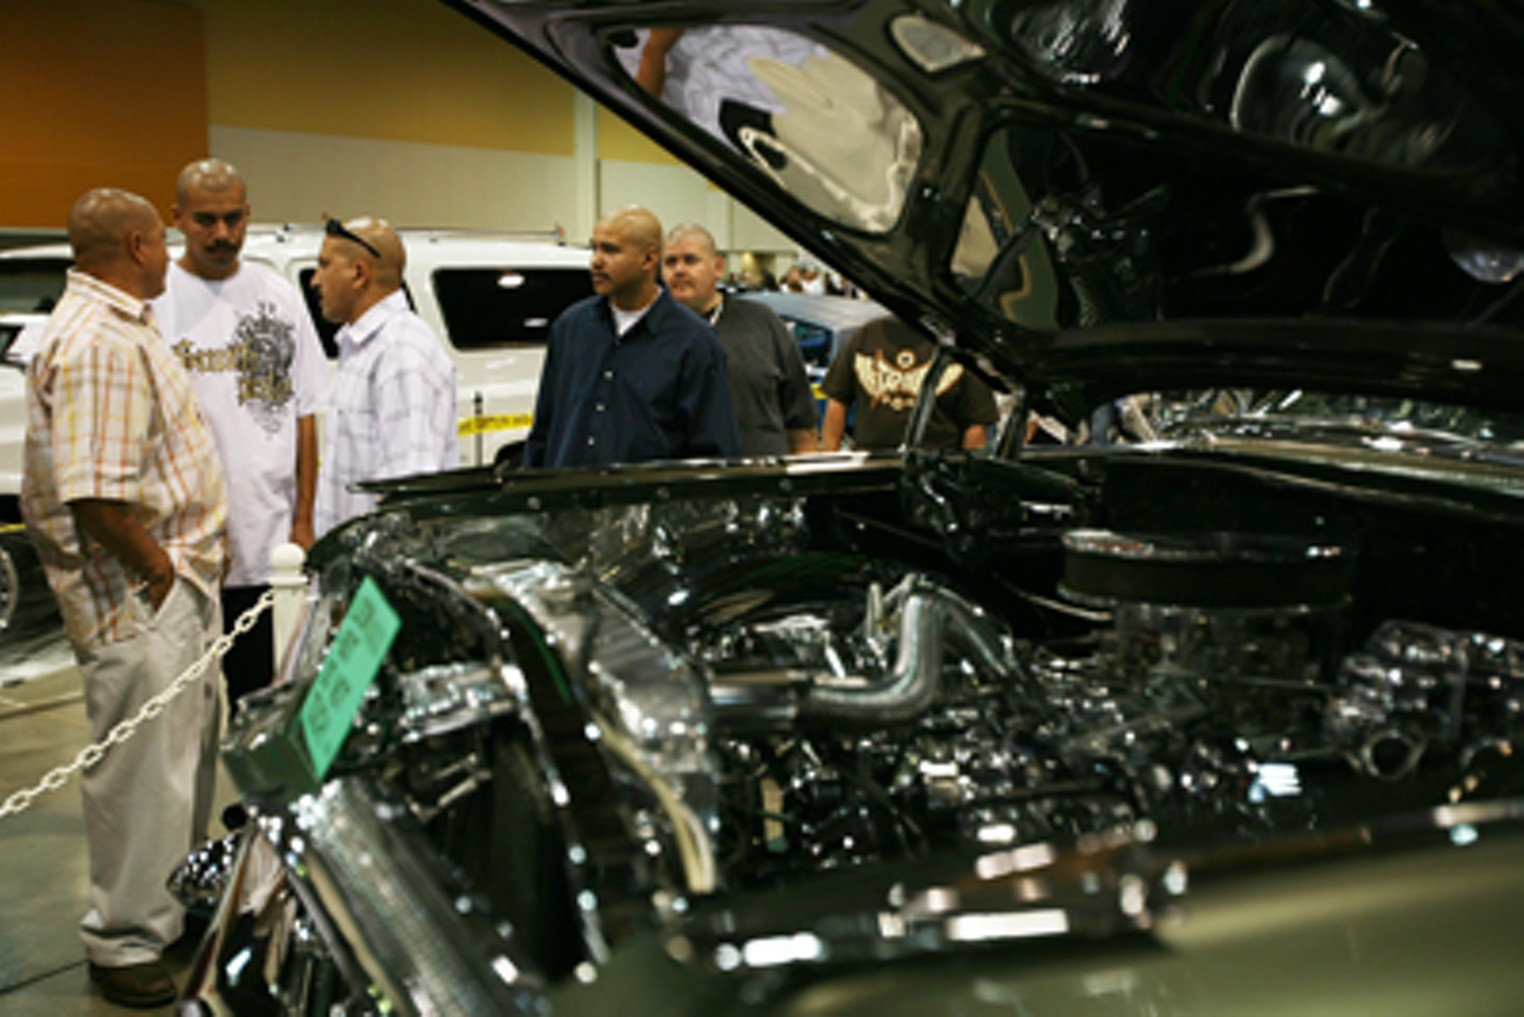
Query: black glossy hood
x=1012, y=172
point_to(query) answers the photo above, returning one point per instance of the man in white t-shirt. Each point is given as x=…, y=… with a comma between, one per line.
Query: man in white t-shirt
x=249, y=346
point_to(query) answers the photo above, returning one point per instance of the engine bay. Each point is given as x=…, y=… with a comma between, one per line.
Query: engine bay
x=824, y=686
x=886, y=715
x=598, y=712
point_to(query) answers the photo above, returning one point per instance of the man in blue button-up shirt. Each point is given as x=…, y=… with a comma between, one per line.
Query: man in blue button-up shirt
x=630, y=374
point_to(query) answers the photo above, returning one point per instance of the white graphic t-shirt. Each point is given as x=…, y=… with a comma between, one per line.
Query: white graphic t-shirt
x=253, y=356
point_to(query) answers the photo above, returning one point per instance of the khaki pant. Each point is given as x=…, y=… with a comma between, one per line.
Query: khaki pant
x=147, y=803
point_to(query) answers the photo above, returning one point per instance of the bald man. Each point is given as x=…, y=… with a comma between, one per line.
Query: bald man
x=243, y=335
x=630, y=374
x=391, y=409
x=123, y=496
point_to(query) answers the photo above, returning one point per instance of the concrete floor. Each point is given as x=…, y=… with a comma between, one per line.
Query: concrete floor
x=42, y=850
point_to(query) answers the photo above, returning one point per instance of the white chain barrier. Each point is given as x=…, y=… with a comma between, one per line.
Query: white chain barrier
x=19, y=801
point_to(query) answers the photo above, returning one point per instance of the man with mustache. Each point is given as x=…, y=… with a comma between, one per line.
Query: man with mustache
x=245, y=338
x=630, y=374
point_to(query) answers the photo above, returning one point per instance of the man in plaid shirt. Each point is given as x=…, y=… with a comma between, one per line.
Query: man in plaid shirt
x=124, y=497
x=391, y=408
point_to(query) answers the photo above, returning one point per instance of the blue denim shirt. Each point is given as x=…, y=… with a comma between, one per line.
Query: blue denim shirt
x=661, y=391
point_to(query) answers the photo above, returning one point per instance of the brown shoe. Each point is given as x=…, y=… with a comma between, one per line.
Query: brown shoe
x=136, y=985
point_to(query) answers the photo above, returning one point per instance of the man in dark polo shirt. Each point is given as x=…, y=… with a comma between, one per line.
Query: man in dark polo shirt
x=775, y=410
x=630, y=374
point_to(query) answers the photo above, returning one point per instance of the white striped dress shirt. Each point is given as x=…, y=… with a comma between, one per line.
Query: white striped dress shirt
x=391, y=411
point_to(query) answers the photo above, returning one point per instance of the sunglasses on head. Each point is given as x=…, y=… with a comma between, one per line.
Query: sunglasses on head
x=334, y=228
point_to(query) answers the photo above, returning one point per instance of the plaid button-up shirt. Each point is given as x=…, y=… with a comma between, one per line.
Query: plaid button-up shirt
x=111, y=416
x=391, y=410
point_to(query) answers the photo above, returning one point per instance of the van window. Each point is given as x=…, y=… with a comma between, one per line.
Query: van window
x=328, y=331
x=486, y=307
x=32, y=284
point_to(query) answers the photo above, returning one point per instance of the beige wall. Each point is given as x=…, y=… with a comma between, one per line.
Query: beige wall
x=297, y=177
x=678, y=195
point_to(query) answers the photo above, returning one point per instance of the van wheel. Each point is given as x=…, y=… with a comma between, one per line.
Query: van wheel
x=10, y=588
x=27, y=606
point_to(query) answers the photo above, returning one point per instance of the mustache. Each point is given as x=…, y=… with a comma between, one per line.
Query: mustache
x=222, y=245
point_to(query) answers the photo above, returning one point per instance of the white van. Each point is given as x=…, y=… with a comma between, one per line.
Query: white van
x=490, y=296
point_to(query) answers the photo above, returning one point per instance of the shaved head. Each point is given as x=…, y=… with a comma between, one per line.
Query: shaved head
x=100, y=221
x=118, y=236
x=212, y=210
x=641, y=228
x=359, y=265
x=213, y=175
x=626, y=257
x=379, y=234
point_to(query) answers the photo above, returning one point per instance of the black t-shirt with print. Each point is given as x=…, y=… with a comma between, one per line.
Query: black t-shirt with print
x=880, y=370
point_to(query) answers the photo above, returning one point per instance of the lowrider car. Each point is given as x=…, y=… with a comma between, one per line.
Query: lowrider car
x=1220, y=721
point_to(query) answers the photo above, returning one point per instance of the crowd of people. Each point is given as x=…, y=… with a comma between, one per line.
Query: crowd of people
x=663, y=363
x=172, y=445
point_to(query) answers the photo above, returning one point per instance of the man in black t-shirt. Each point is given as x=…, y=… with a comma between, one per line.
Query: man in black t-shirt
x=880, y=370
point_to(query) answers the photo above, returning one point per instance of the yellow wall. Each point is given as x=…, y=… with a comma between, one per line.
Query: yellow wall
x=618, y=140
x=98, y=92
x=407, y=70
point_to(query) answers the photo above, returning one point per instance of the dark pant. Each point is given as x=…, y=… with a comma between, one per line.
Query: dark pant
x=250, y=664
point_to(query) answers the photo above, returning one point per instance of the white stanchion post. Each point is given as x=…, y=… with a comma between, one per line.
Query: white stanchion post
x=289, y=583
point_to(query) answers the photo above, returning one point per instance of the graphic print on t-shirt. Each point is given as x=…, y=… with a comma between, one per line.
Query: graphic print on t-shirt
x=261, y=352
x=896, y=385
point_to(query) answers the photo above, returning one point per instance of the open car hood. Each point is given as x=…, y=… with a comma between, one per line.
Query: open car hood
x=1022, y=177
x=913, y=732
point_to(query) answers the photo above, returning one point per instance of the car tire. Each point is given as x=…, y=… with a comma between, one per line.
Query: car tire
x=27, y=606
x=10, y=588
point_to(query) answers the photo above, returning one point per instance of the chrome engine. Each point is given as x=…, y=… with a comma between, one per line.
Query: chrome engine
x=873, y=722
x=720, y=695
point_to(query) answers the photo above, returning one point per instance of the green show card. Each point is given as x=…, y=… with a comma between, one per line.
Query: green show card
x=351, y=666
